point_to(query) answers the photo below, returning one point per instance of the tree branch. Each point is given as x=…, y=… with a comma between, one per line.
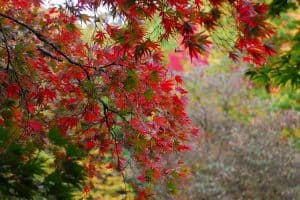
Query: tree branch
x=54, y=46
x=6, y=47
x=49, y=54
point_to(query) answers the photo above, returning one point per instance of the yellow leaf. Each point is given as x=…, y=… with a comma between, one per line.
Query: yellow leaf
x=297, y=132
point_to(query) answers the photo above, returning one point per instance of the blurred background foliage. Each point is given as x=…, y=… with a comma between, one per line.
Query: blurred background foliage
x=249, y=144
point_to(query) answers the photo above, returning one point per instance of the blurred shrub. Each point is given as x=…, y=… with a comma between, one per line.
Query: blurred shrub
x=244, y=152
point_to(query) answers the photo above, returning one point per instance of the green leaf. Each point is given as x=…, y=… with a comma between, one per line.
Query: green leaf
x=56, y=137
x=172, y=187
x=149, y=94
x=131, y=81
x=74, y=151
x=154, y=76
x=4, y=136
x=16, y=149
x=117, y=131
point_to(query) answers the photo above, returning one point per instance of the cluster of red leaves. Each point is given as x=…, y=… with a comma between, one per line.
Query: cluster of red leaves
x=111, y=97
x=254, y=29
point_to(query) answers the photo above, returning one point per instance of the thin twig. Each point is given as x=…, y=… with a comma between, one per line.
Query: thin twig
x=116, y=145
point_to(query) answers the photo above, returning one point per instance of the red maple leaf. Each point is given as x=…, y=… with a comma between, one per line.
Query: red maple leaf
x=34, y=125
x=90, y=144
x=13, y=91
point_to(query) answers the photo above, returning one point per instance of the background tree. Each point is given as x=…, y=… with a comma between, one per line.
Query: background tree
x=248, y=148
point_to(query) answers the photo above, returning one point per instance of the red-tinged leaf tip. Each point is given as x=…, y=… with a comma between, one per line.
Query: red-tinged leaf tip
x=156, y=174
x=23, y=4
x=109, y=166
x=183, y=174
x=160, y=121
x=269, y=49
x=180, y=162
x=49, y=94
x=196, y=44
x=90, y=144
x=261, y=8
x=234, y=56
x=142, y=195
x=68, y=122
x=86, y=189
x=3, y=77
x=142, y=178
x=196, y=131
x=13, y=91
x=31, y=108
x=168, y=171
x=92, y=113
x=35, y=126
x=1, y=121
x=183, y=148
x=167, y=85
x=181, y=90
x=178, y=79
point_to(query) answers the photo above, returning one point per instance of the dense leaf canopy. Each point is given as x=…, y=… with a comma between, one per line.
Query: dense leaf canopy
x=112, y=95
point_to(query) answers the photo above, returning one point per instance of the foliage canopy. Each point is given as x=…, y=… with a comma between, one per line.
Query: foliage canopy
x=111, y=95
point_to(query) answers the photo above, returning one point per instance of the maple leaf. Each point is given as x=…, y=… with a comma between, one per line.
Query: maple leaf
x=13, y=91
x=196, y=44
x=92, y=113
x=3, y=76
x=31, y=107
x=188, y=28
x=183, y=147
x=34, y=125
x=100, y=36
x=269, y=49
x=167, y=85
x=145, y=48
x=49, y=94
x=86, y=189
x=178, y=79
x=24, y=4
x=90, y=144
x=142, y=195
x=142, y=178
x=234, y=56
x=68, y=122
x=2, y=121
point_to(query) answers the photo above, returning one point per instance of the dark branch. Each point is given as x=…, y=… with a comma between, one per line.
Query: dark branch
x=6, y=47
x=43, y=39
x=49, y=54
x=112, y=110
